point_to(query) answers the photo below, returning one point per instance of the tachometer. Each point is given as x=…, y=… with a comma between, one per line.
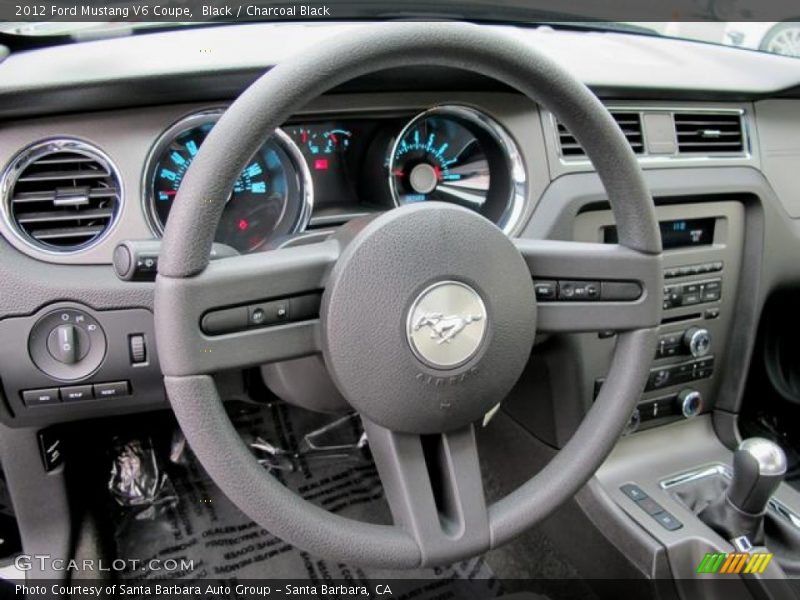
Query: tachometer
x=271, y=197
x=459, y=155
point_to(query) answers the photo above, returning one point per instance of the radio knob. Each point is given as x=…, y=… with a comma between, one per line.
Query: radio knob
x=697, y=340
x=690, y=402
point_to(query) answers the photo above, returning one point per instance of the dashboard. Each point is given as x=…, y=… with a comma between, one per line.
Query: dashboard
x=92, y=159
x=118, y=173
x=449, y=153
x=77, y=185
x=312, y=172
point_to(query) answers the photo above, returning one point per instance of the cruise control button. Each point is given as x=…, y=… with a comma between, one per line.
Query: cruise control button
x=40, y=397
x=76, y=392
x=116, y=389
x=545, y=290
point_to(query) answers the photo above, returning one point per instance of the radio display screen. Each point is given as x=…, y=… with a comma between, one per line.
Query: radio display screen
x=676, y=234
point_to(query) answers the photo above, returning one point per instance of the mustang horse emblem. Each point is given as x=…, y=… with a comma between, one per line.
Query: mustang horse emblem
x=445, y=328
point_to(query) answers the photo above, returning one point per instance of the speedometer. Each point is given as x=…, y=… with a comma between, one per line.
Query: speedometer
x=457, y=154
x=271, y=197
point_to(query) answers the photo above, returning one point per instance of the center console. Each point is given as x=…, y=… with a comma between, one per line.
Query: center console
x=702, y=254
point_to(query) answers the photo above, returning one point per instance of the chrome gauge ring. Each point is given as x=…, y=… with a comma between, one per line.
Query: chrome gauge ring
x=272, y=197
x=459, y=155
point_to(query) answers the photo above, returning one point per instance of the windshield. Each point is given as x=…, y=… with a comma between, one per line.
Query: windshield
x=777, y=37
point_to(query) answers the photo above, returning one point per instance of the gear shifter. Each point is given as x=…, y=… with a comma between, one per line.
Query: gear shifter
x=758, y=469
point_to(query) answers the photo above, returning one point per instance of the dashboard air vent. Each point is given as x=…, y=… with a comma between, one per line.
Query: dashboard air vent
x=629, y=122
x=709, y=133
x=61, y=196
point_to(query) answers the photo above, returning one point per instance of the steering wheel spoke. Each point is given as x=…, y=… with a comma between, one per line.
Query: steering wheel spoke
x=434, y=489
x=244, y=310
x=593, y=287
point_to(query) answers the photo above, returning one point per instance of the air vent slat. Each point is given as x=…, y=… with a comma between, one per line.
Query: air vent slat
x=630, y=124
x=64, y=197
x=68, y=232
x=711, y=133
x=50, y=195
x=61, y=176
x=54, y=216
x=66, y=160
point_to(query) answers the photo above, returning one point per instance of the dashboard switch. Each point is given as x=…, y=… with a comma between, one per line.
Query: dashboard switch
x=76, y=392
x=68, y=344
x=40, y=397
x=138, y=349
x=116, y=389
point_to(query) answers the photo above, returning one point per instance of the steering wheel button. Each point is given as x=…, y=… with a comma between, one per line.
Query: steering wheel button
x=545, y=290
x=225, y=321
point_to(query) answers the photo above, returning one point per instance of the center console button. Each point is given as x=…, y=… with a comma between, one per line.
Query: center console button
x=633, y=491
x=667, y=521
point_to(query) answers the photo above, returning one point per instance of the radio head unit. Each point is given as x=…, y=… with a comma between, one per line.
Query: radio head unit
x=679, y=233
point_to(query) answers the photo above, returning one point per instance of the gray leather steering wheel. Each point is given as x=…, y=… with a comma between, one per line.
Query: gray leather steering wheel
x=418, y=415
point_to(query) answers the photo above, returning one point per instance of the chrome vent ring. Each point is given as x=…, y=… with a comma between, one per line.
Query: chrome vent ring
x=61, y=196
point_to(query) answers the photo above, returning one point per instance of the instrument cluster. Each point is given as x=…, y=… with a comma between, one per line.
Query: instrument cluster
x=312, y=173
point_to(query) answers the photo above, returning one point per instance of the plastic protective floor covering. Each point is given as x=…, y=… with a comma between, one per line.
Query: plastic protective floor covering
x=189, y=518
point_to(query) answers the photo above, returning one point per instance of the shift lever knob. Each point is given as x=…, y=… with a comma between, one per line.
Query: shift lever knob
x=758, y=469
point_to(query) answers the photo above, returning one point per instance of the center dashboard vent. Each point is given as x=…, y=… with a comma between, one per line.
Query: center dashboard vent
x=629, y=122
x=61, y=196
x=709, y=133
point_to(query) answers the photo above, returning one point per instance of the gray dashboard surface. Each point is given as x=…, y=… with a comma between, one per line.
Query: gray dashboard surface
x=222, y=60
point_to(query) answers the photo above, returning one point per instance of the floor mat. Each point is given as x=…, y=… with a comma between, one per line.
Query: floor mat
x=190, y=518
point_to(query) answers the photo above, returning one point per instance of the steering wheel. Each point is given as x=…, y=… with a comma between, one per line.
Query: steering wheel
x=381, y=279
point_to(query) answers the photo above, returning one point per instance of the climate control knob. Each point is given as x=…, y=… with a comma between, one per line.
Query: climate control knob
x=690, y=402
x=697, y=341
